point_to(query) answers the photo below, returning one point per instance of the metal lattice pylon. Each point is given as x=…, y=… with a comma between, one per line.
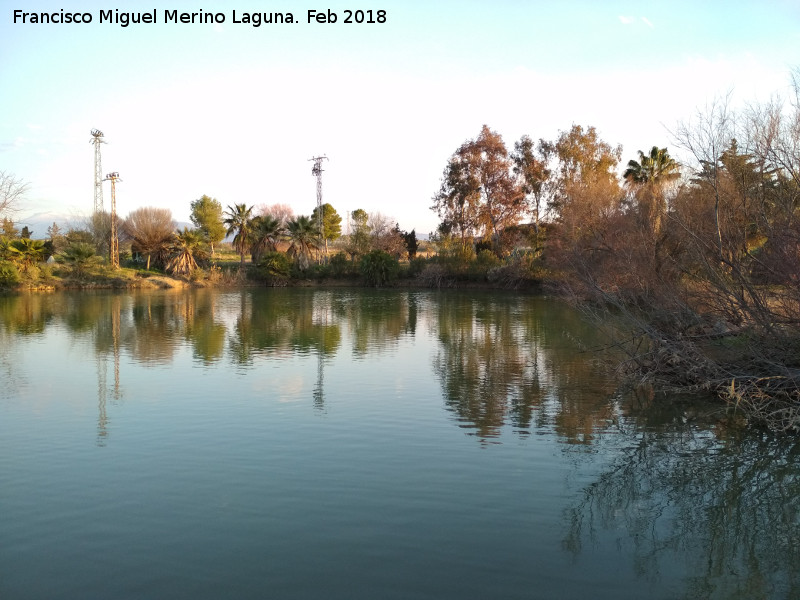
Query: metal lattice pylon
x=316, y=170
x=97, y=139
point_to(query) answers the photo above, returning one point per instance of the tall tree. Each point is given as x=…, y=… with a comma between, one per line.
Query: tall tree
x=648, y=178
x=239, y=221
x=458, y=200
x=530, y=167
x=151, y=230
x=207, y=217
x=585, y=185
x=331, y=223
x=479, y=187
x=359, y=242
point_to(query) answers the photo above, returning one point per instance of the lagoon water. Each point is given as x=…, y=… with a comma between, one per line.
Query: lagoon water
x=308, y=443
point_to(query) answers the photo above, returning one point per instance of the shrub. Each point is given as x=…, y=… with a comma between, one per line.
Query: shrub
x=379, y=267
x=340, y=266
x=9, y=275
x=274, y=268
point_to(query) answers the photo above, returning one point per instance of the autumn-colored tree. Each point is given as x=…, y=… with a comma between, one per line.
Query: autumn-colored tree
x=479, y=189
x=530, y=167
x=458, y=200
x=585, y=185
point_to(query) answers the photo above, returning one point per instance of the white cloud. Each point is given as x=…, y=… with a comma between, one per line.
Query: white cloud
x=625, y=20
x=647, y=22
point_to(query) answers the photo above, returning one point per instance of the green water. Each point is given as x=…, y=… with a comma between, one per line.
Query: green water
x=365, y=444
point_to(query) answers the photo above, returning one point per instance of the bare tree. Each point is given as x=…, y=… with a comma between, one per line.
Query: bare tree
x=12, y=189
x=283, y=213
x=152, y=231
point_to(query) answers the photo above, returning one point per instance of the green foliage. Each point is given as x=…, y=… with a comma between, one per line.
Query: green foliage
x=274, y=267
x=412, y=245
x=340, y=266
x=331, y=222
x=26, y=252
x=472, y=269
x=303, y=235
x=359, y=242
x=80, y=256
x=188, y=247
x=206, y=215
x=7, y=228
x=266, y=232
x=379, y=268
x=9, y=275
x=239, y=221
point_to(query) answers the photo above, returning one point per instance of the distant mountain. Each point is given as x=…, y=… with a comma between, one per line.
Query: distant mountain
x=39, y=223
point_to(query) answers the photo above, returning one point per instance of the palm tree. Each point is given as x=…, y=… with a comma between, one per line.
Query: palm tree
x=26, y=252
x=648, y=178
x=303, y=235
x=187, y=247
x=267, y=231
x=239, y=221
x=80, y=255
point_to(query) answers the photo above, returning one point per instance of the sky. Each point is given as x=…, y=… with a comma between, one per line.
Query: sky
x=236, y=111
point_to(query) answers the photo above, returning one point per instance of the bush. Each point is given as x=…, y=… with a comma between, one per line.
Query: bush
x=274, y=268
x=9, y=275
x=483, y=264
x=340, y=266
x=379, y=267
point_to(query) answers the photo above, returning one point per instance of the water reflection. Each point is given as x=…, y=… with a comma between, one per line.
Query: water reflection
x=502, y=360
x=513, y=361
x=722, y=506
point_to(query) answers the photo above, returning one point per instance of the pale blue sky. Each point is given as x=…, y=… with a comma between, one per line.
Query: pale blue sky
x=235, y=111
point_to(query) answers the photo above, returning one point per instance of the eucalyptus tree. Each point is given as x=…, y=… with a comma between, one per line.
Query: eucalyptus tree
x=239, y=220
x=530, y=167
x=479, y=190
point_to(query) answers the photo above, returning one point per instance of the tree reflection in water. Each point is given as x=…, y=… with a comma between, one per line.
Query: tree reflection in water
x=507, y=360
x=722, y=505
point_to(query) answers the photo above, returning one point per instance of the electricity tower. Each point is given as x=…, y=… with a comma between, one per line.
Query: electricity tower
x=114, y=244
x=316, y=170
x=97, y=139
